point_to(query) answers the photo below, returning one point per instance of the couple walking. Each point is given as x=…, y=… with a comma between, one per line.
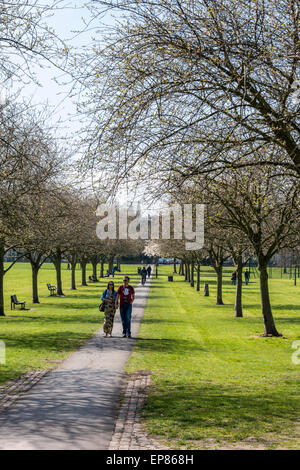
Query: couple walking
x=111, y=298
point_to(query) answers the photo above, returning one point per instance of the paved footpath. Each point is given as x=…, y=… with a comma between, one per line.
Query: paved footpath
x=76, y=405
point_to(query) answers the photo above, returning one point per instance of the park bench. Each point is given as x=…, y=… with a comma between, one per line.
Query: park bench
x=14, y=301
x=52, y=289
x=93, y=279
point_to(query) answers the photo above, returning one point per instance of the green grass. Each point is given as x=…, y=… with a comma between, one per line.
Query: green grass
x=215, y=380
x=57, y=326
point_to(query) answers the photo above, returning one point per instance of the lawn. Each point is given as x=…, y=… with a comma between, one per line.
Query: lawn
x=51, y=330
x=216, y=382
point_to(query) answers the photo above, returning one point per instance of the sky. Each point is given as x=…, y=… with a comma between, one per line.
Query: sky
x=64, y=22
x=67, y=22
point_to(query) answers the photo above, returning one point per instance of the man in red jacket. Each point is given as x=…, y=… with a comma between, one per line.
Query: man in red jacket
x=126, y=295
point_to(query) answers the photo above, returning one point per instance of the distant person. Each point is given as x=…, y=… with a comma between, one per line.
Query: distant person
x=126, y=295
x=68, y=267
x=114, y=269
x=247, y=277
x=149, y=271
x=233, y=278
x=144, y=275
x=109, y=298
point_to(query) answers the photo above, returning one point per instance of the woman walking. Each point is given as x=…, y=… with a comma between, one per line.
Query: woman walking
x=109, y=298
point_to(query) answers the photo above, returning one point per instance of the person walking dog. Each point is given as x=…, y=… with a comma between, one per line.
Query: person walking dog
x=126, y=295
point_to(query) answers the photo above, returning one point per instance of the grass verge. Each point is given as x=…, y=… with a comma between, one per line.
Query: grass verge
x=216, y=382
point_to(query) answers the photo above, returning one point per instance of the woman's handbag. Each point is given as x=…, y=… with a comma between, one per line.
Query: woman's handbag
x=102, y=305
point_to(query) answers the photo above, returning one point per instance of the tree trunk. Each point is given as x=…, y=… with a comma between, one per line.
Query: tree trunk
x=192, y=274
x=219, y=271
x=57, y=264
x=83, y=272
x=181, y=268
x=102, y=269
x=206, y=290
x=94, y=264
x=2, y=314
x=270, y=329
x=198, y=278
x=110, y=264
x=119, y=262
x=73, y=275
x=238, y=292
x=174, y=270
x=35, y=294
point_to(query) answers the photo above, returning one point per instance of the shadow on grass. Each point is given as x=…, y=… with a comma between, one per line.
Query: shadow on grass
x=168, y=346
x=79, y=295
x=155, y=321
x=287, y=319
x=58, y=341
x=86, y=317
x=286, y=307
x=74, y=306
x=274, y=307
x=187, y=411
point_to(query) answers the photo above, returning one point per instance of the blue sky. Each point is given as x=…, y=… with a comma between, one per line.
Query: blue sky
x=65, y=22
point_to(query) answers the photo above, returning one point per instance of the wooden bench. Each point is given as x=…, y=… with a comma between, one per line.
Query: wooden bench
x=52, y=289
x=14, y=301
x=93, y=279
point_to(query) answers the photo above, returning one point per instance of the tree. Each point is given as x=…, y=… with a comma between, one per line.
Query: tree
x=265, y=208
x=238, y=247
x=26, y=39
x=217, y=251
x=61, y=232
x=188, y=87
x=28, y=158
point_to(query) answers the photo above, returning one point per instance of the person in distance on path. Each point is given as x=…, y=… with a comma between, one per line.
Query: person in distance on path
x=144, y=275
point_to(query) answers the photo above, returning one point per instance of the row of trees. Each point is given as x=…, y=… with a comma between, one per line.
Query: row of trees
x=195, y=96
x=41, y=216
x=56, y=224
x=199, y=97
x=184, y=88
x=249, y=213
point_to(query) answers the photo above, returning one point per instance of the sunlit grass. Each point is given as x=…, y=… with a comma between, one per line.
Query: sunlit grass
x=215, y=379
x=57, y=326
